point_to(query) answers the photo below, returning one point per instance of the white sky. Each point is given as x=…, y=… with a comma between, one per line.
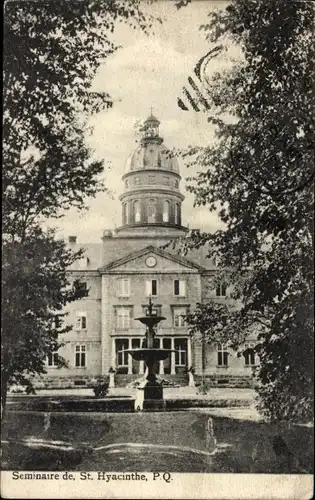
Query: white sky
x=147, y=71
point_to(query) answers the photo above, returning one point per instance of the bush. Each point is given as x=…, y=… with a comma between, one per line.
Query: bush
x=101, y=389
x=204, y=387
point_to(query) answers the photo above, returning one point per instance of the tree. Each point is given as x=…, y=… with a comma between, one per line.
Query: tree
x=259, y=176
x=36, y=287
x=51, y=54
x=52, y=51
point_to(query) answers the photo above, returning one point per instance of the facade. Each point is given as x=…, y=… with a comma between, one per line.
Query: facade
x=132, y=263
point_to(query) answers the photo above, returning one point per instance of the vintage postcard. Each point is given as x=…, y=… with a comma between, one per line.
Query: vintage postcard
x=157, y=278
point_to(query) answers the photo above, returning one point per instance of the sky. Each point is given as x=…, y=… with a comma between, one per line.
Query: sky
x=147, y=71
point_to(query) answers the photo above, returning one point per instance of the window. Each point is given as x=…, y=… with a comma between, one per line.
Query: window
x=151, y=211
x=166, y=180
x=83, y=263
x=136, y=211
x=123, y=317
x=249, y=354
x=56, y=322
x=166, y=211
x=178, y=316
x=137, y=180
x=80, y=323
x=151, y=288
x=221, y=290
x=126, y=183
x=223, y=355
x=180, y=352
x=176, y=184
x=81, y=287
x=123, y=287
x=151, y=179
x=52, y=359
x=154, y=312
x=121, y=356
x=80, y=356
x=179, y=288
x=177, y=213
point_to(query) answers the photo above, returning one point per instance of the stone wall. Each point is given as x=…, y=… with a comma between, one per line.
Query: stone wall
x=225, y=381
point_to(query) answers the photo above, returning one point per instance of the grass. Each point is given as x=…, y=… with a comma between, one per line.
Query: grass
x=243, y=446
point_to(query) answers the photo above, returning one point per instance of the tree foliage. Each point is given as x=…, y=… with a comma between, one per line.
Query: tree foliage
x=52, y=51
x=259, y=176
x=36, y=288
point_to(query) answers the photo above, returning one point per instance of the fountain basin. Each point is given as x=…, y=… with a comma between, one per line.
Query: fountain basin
x=147, y=353
x=150, y=320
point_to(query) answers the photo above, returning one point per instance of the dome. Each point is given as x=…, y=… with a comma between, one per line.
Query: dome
x=151, y=200
x=152, y=118
x=152, y=156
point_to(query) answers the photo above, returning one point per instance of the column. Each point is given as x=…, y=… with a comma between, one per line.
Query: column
x=189, y=357
x=173, y=372
x=161, y=367
x=130, y=358
x=113, y=354
x=141, y=367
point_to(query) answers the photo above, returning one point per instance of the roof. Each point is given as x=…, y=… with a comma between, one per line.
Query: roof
x=152, y=118
x=156, y=156
x=151, y=249
x=115, y=248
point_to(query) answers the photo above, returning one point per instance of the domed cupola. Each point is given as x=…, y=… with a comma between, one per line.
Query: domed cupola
x=151, y=198
x=151, y=153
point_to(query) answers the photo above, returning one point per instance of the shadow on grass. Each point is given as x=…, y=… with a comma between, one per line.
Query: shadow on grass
x=59, y=441
x=259, y=447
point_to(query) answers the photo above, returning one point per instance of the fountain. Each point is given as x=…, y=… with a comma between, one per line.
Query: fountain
x=150, y=391
x=134, y=433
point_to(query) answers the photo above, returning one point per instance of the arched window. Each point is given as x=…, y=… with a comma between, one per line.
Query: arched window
x=125, y=213
x=177, y=213
x=151, y=211
x=136, y=211
x=166, y=211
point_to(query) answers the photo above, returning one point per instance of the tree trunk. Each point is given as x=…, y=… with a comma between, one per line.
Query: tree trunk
x=4, y=392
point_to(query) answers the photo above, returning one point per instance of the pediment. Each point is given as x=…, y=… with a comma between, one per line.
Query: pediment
x=153, y=260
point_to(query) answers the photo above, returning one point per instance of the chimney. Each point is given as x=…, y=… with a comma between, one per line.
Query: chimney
x=72, y=239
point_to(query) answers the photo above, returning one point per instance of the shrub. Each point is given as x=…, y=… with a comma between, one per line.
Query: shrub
x=204, y=387
x=101, y=388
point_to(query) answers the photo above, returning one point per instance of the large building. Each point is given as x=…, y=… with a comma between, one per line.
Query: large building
x=133, y=263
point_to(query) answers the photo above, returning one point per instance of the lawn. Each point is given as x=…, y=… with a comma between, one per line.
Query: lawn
x=242, y=445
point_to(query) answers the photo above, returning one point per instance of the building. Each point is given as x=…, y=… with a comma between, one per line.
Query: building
x=132, y=263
